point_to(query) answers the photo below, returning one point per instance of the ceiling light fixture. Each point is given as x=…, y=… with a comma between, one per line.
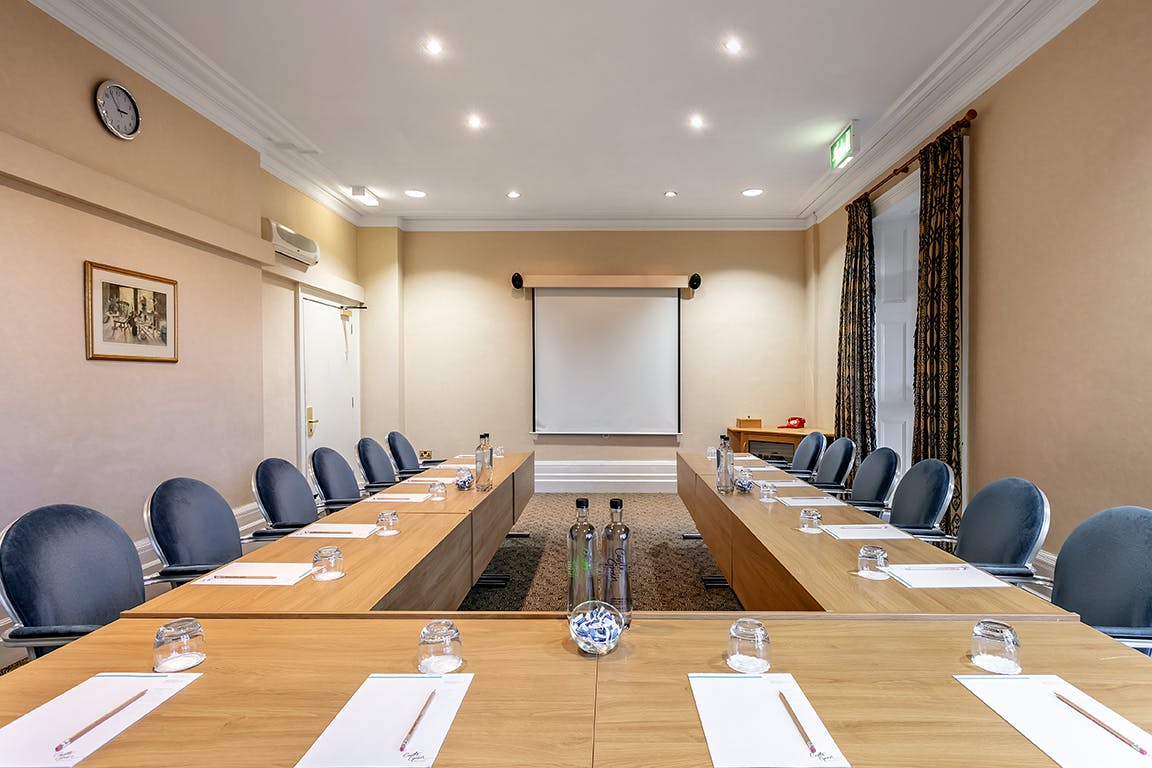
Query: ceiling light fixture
x=415, y=193
x=752, y=192
x=696, y=121
x=364, y=195
x=433, y=46
x=671, y=193
x=733, y=46
x=475, y=122
x=513, y=194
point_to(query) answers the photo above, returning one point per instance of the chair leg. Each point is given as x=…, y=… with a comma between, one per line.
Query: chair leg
x=711, y=582
x=691, y=536
x=493, y=581
x=518, y=535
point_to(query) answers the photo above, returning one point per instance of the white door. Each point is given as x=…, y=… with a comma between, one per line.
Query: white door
x=896, y=232
x=331, y=342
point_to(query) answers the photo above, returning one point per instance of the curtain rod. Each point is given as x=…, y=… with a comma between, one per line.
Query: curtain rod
x=963, y=122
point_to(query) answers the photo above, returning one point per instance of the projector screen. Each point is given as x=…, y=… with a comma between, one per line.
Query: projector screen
x=606, y=361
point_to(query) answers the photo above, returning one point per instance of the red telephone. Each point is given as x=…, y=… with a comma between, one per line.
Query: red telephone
x=794, y=422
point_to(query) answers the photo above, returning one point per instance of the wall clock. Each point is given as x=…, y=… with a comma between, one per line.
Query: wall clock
x=118, y=110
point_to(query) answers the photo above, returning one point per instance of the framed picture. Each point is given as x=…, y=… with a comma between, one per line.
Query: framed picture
x=128, y=315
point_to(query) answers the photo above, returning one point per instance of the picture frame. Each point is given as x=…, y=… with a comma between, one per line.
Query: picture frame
x=129, y=315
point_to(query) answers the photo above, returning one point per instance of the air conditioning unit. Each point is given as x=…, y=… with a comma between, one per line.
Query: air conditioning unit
x=290, y=243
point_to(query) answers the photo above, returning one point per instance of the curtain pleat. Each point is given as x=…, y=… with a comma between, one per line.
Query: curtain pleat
x=856, y=364
x=936, y=376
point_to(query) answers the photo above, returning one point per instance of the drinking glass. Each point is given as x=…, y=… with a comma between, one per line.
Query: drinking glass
x=328, y=563
x=498, y=452
x=438, y=491
x=387, y=523
x=464, y=479
x=179, y=645
x=440, y=650
x=710, y=453
x=996, y=647
x=871, y=562
x=809, y=521
x=748, y=646
x=768, y=492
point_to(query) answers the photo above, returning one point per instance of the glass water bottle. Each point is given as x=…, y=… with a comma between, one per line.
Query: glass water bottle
x=581, y=558
x=484, y=464
x=725, y=465
x=616, y=584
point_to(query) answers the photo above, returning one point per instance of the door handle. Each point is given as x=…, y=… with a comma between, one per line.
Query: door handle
x=311, y=422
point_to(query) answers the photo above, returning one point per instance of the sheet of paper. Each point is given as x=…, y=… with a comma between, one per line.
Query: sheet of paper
x=368, y=731
x=257, y=574
x=30, y=741
x=764, y=468
x=470, y=465
x=811, y=501
x=943, y=575
x=401, y=498
x=1029, y=704
x=746, y=724
x=793, y=483
x=335, y=531
x=872, y=531
x=464, y=456
x=430, y=480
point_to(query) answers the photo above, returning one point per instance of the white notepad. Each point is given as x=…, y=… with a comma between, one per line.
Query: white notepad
x=747, y=726
x=766, y=468
x=943, y=575
x=793, y=483
x=455, y=466
x=368, y=731
x=811, y=501
x=866, y=531
x=401, y=498
x=1029, y=704
x=335, y=531
x=257, y=575
x=430, y=480
x=30, y=741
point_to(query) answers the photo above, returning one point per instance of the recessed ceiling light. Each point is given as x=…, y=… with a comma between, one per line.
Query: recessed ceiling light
x=513, y=194
x=433, y=46
x=364, y=195
x=671, y=193
x=415, y=193
x=696, y=121
x=752, y=192
x=475, y=122
x=733, y=46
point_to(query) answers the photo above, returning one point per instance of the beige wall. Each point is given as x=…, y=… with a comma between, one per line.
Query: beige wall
x=381, y=331
x=335, y=236
x=468, y=333
x=827, y=280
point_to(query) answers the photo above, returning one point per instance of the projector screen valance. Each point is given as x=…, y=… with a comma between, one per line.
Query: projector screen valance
x=606, y=360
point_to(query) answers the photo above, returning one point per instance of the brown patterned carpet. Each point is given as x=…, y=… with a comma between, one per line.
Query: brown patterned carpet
x=666, y=568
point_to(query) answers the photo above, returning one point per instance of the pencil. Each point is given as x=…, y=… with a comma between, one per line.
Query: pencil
x=416, y=722
x=1103, y=725
x=796, y=722
x=241, y=576
x=101, y=720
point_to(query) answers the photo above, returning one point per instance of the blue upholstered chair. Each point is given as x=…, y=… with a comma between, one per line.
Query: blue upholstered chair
x=807, y=454
x=922, y=497
x=192, y=528
x=1003, y=527
x=1104, y=573
x=283, y=497
x=874, y=479
x=335, y=479
x=375, y=464
x=835, y=465
x=407, y=462
x=65, y=571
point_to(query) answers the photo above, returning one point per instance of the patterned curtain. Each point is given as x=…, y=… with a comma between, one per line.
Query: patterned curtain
x=936, y=377
x=855, y=362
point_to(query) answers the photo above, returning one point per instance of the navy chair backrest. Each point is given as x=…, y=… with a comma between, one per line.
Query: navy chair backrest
x=374, y=461
x=403, y=452
x=808, y=452
x=874, y=478
x=334, y=476
x=191, y=524
x=923, y=495
x=68, y=565
x=1104, y=570
x=1004, y=523
x=836, y=462
x=283, y=494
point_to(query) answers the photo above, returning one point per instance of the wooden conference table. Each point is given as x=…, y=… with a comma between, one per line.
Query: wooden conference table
x=772, y=566
x=883, y=688
x=440, y=552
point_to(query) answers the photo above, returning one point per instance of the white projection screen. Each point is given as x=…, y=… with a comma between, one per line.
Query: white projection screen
x=606, y=361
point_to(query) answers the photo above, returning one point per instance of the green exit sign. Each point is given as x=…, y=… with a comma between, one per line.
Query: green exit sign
x=843, y=149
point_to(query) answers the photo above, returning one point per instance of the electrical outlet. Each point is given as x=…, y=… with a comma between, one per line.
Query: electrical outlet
x=424, y=455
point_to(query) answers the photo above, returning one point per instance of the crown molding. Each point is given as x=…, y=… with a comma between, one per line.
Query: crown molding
x=1004, y=36
x=602, y=225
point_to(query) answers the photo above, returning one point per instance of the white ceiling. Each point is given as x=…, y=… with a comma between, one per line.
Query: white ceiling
x=586, y=103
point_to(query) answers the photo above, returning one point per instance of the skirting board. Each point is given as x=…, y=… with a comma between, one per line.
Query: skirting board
x=606, y=476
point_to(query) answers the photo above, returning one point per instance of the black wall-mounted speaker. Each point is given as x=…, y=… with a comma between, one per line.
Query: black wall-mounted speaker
x=517, y=280
x=694, y=281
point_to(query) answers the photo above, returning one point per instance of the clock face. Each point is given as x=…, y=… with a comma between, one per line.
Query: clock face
x=118, y=109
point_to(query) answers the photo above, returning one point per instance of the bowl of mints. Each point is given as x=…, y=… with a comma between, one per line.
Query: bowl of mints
x=595, y=626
